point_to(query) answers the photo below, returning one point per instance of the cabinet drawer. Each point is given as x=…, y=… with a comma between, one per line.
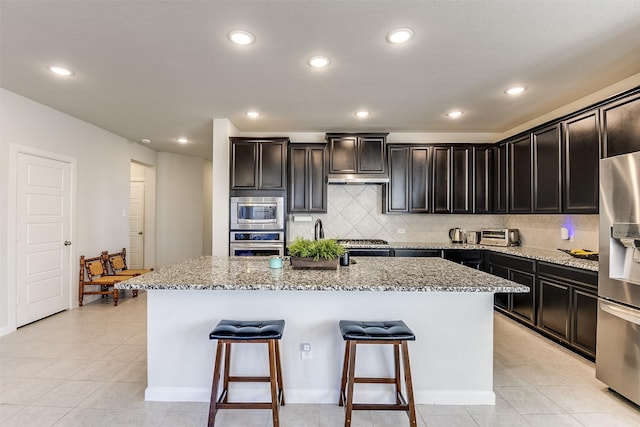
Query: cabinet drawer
x=513, y=262
x=417, y=252
x=581, y=277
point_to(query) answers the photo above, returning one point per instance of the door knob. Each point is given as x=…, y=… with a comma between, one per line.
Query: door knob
x=67, y=243
x=139, y=233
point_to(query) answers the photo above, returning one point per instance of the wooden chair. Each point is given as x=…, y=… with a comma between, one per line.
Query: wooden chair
x=93, y=270
x=118, y=263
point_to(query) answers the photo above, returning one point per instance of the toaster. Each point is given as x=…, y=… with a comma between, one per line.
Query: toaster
x=500, y=237
x=473, y=237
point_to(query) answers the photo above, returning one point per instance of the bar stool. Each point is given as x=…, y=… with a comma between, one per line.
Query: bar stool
x=396, y=333
x=236, y=331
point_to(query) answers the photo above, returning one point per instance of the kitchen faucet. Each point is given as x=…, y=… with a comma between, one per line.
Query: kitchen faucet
x=318, y=231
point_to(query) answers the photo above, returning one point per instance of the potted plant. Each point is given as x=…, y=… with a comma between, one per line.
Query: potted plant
x=320, y=254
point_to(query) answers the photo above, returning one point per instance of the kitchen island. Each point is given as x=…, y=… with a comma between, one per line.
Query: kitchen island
x=448, y=306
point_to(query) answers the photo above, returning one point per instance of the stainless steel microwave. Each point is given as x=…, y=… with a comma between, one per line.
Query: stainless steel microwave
x=257, y=213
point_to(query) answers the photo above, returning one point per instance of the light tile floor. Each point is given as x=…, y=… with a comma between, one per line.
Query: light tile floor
x=87, y=367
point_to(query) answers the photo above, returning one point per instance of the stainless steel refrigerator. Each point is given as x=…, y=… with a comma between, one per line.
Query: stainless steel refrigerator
x=618, y=337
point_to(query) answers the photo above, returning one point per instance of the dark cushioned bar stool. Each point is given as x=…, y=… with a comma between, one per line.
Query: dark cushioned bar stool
x=237, y=331
x=394, y=332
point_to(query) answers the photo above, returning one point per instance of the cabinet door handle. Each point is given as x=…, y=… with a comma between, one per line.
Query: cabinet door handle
x=622, y=313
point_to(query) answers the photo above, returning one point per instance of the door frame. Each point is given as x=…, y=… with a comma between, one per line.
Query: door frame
x=14, y=150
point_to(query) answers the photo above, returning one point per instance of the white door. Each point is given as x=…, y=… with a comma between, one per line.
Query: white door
x=43, y=227
x=136, y=226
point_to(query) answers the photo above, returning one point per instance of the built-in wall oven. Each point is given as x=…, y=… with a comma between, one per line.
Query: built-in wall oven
x=256, y=243
x=618, y=330
x=257, y=213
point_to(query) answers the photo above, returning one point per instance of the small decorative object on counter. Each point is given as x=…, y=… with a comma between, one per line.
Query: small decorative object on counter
x=320, y=254
x=344, y=259
x=582, y=253
x=275, y=262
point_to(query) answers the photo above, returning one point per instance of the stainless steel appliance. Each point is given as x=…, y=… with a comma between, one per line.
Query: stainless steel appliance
x=257, y=213
x=500, y=237
x=366, y=247
x=473, y=237
x=256, y=243
x=457, y=235
x=618, y=330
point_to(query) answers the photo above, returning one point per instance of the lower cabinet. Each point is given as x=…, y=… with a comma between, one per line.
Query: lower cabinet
x=469, y=257
x=520, y=270
x=568, y=305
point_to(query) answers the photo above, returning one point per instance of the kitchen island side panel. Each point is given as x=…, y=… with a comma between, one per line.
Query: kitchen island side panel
x=451, y=359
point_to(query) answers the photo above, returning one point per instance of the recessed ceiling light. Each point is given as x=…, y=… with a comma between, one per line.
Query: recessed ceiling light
x=252, y=114
x=318, y=61
x=454, y=114
x=515, y=90
x=61, y=71
x=241, y=37
x=362, y=114
x=183, y=140
x=400, y=35
x=145, y=141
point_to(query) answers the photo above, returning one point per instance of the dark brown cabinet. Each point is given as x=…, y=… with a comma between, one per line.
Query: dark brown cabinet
x=500, y=176
x=520, y=270
x=462, y=179
x=568, y=305
x=357, y=153
x=621, y=126
x=441, y=179
x=433, y=253
x=581, y=163
x=546, y=169
x=482, y=179
x=307, y=178
x=520, y=175
x=408, y=187
x=452, y=179
x=258, y=164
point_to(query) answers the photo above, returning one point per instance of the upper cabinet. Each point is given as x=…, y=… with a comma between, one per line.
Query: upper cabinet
x=621, y=126
x=409, y=179
x=546, y=169
x=581, y=162
x=482, y=179
x=357, y=153
x=258, y=164
x=500, y=184
x=520, y=175
x=462, y=179
x=307, y=178
x=441, y=179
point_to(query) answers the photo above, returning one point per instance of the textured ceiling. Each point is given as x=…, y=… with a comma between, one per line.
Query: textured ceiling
x=164, y=69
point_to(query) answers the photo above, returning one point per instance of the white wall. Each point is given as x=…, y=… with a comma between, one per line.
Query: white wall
x=179, y=208
x=102, y=182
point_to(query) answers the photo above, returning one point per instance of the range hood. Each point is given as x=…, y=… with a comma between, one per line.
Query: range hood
x=357, y=178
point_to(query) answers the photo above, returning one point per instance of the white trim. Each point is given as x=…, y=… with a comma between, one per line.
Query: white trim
x=14, y=150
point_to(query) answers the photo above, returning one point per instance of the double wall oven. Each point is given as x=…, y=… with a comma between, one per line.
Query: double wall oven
x=257, y=226
x=618, y=337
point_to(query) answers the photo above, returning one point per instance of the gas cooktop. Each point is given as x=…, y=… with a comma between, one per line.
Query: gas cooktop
x=363, y=242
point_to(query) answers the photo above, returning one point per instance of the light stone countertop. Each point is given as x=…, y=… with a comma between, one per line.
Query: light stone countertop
x=368, y=274
x=552, y=256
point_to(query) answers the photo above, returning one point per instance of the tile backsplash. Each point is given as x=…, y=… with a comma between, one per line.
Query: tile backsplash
x=355, y=211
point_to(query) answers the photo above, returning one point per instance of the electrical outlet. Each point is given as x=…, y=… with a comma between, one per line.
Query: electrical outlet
x=400, y=230
x=305, y=350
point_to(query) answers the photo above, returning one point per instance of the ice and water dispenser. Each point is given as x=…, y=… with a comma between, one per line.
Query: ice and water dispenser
x=624, y=257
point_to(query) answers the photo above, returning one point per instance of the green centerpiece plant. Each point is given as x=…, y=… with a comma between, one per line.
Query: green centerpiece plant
x=320, y=254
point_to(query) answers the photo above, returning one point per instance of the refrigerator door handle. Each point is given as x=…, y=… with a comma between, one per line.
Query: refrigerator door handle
x=622, y=313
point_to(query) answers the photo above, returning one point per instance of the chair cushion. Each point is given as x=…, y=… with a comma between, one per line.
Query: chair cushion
x=134, y=272
x=385, y=330
x=248, y=329
x=106, y=280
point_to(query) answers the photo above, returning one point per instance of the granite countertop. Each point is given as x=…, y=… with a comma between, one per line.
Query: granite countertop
x=552, y=256
x=368, y=274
